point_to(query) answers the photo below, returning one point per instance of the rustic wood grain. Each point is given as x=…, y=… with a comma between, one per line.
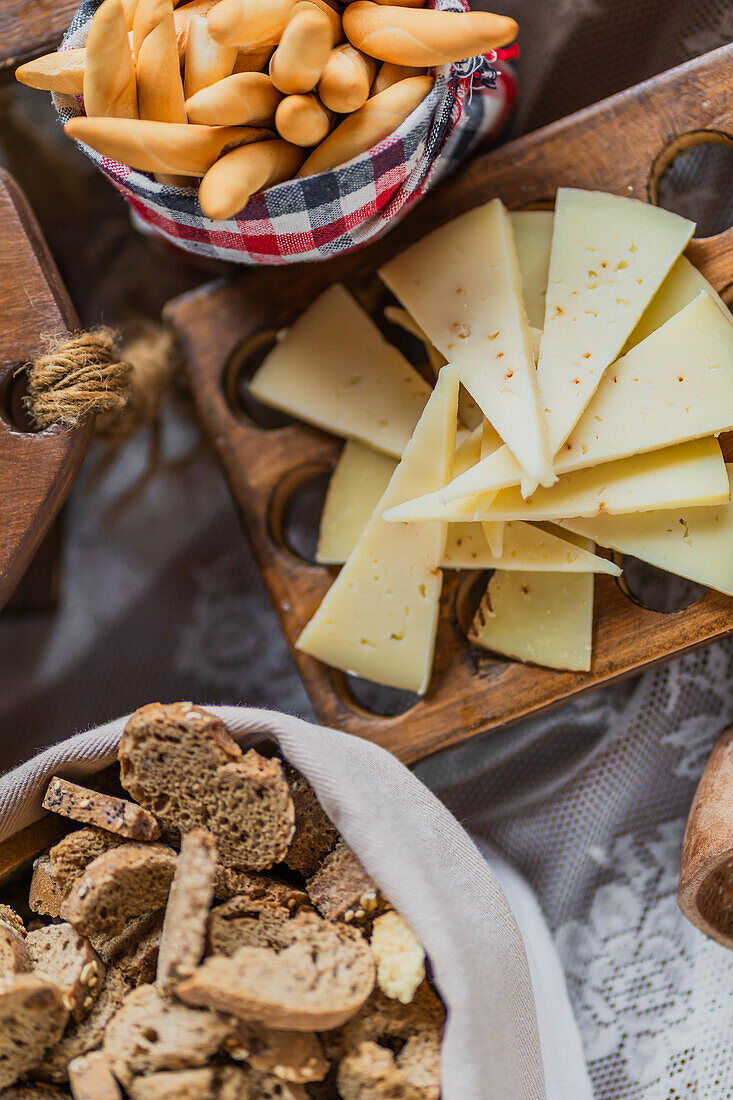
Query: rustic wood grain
x=37, y=469
x=613, y=146
x=29, y=28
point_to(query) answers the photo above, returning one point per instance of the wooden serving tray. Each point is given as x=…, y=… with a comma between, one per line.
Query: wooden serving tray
x=621, y=145
x=29, y=28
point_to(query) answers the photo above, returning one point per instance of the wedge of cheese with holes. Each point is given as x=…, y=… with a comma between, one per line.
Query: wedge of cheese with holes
x=696, y=543
x=689, y=474
x=380, y=616
x=525, y=547
x=357, y=485
x=543, y=618
x=334, y=369
x=683, y=284
x=674, y=386
x=462, y=285
x=533, y=240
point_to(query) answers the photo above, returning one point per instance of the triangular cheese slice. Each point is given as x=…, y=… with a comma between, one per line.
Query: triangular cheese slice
x=356, y=487
x=696, y=543
x=683, y=284
x=525, y=547
x=334, y=369
x=533, y=240
x=689, y=474
x=379, y=618
x=674, y=386
x=461, y=283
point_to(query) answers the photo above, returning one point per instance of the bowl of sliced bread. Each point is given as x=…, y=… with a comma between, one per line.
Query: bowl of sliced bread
x=201, y=929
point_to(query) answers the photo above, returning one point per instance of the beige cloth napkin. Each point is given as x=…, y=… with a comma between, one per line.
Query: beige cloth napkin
x=421, y=858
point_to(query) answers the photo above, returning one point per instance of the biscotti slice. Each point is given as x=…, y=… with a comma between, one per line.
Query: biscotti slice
x=85, y=1036
x=91, y=1078
x=182, y=1084
x=32, y=1018
x=294, y=1056
x=341, y=889
x=316, y=983
x=399, y=955
x=116, y=815
x=371, y=1073
x=151, y=1032
x=184, y=927
x=420, y=1060
x=122, y=883
x=10, y=917
x=45, y=895
x=244, y=923
x=72, y=855
x=14, y=956
x=315, y=835
x=259, y=888
x=60, y=955
x=180, y=763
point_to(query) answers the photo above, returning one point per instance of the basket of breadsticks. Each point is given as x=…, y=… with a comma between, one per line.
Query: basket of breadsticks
x=276, y=131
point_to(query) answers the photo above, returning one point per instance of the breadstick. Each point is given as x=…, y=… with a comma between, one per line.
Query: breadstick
x=159, y=87
x=252, y=62
x=250, y=24
x=307, y=40
x=61, y=72
x=346, y=79
x=128, y=7
x=243, y=99
x=403, y=3
x=407, y=36
x=207, y=61
x=302, y=120
x=182, y=18
x=230, y=183
x=390, y=74
x=164, y=147
x=110, y=87
x=379, y=116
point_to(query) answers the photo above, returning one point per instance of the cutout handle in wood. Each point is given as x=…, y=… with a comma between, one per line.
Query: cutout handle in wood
x=37, y=469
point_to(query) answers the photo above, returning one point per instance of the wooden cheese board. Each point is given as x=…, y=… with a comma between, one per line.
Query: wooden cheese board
x=622, y=145
x=29, y=30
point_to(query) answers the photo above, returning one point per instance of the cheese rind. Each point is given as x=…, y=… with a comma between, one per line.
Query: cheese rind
x=525, y=547
x=379, y=618
x=357, y=484
x=462, y=285
x=543, y=618
x=696, y=543
x=533, y=241
x=334, y=369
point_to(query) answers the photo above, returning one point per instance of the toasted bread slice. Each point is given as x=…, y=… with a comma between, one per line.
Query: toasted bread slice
x=315, y=835
x=122, y=883
x=341, y=889
x=106, y=811
x=184, y=927
x=32, y=1018
x=60, y=955
x=91, y=1078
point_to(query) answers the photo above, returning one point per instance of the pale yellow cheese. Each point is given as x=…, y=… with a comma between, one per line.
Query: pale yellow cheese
x=357, y=485
x=334, y=369
x=525, y=547
x=681, y=286
x=685, y=475
x=542, y=618
x=462, y=285
x=493, y=532
x=533, y=240
x=674, y=386
x=379, y=618
x=696, y=543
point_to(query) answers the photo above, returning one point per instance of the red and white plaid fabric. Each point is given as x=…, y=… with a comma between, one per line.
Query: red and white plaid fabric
x=334, y=212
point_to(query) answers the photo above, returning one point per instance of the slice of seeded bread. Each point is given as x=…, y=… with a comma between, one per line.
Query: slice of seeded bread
x=400, y=957
x=382, y=1019
x=315, y=836
x=116, y=815
x=247, y=1083
x=341, y=889
x=420, y=1060
x=294, y=1056
x=263, y=889
x=122, y=883
x=140, y=965
x=151, y=1033
x=316, y=983
x=180, y=763
x=32, y=1018
x=125, y=943
x=45, y=896
x=370, y=1073
x=91, y=1078
x=10, y=917
x=182, y=1084
x=60, y=955
x=184, y=927
x=72, y=855
x=14, y=957
x=244, y=923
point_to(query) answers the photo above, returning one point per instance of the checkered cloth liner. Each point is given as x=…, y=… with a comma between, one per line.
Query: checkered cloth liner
x=333, y=212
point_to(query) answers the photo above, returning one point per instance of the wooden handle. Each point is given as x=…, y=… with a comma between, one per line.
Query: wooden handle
x=706, y=871
x=379, y=117
x=303, y=120
x=159, y=87
x=250, y=24
x=243, y=99
x=230, y=183
x=390, y=74
x=166, y=147
x=307, y=40
x=407, y=36
x=207, y=61
x=61, y=72
x=110, y=84
x=346, y=79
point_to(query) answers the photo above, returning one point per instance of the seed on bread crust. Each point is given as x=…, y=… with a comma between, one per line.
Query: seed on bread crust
x=116, y=815
x=32, y=1018
x=60, y=955
x=184, y=927
x=315, y=835
x=91, y=1078
x=121, y=883
x=400, y=957
x=316, y=982
x=72, y=855
x=294, y=1056
x=341, y=889
x=10, y=917
x=45, y=895
x=180, y=763
x=14, y=956
x=150, y=1032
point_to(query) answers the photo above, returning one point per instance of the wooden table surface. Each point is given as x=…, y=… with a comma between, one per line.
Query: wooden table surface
x=29, y=28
